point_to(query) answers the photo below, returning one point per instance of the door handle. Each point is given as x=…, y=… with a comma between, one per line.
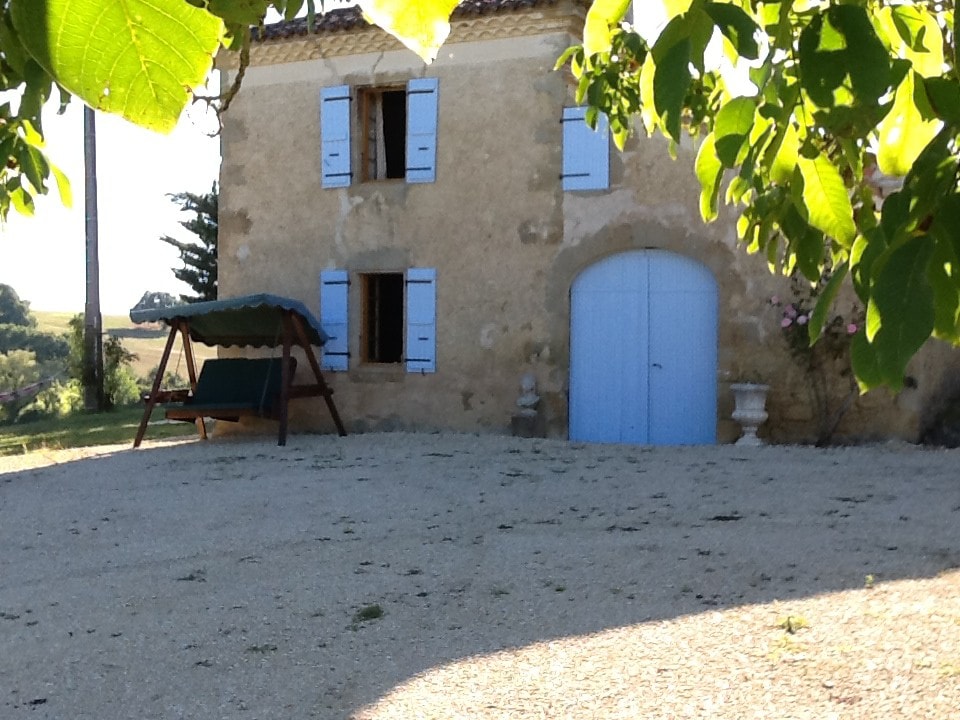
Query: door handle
x=657, y=365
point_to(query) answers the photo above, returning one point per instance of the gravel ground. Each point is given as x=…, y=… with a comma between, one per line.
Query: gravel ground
x=453, y=576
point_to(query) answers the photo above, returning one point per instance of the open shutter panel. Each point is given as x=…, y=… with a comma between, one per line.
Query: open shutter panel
x=422, y=130
x=586, y=152
x=335, y=136
x=334, y=285
x=421, y=344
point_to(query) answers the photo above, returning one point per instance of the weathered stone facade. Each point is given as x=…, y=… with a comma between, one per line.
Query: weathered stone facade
x=507, y=242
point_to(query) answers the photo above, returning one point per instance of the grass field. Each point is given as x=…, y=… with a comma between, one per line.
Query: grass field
x=116, y=426
x=85, y=430
x=146, y=343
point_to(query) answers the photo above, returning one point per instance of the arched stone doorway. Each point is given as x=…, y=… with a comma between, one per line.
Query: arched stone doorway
x=643, y=350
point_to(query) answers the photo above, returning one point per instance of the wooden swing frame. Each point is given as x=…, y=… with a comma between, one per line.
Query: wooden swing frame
x=296, y=328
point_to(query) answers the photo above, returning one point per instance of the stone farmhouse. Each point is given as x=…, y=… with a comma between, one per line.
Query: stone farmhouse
x=458, y=226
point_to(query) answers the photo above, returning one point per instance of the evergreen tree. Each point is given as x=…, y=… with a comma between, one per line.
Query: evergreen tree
x=199, y=269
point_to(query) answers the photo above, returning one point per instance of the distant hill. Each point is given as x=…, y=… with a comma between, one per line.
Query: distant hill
x=146, y=341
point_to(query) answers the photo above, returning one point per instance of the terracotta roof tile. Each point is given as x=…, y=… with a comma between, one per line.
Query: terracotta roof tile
x=350, y=18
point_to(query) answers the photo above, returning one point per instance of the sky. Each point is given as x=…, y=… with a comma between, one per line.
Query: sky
x=43, y=257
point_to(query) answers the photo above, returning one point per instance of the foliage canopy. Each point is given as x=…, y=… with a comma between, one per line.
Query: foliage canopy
x=842, y=96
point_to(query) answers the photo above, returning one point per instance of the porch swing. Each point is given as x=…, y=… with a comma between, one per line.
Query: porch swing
x=231, y=388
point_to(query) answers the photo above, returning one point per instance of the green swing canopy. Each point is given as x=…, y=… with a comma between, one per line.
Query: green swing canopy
x=245, y=321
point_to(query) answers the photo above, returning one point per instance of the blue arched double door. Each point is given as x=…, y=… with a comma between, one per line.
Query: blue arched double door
x=643, y=351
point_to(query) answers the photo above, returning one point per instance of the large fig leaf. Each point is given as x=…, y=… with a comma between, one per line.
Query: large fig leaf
x=421, y=26
x=137, y=58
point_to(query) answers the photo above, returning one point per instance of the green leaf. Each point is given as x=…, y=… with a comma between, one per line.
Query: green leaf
x=648, y=112
x=826, y=199
x=22, y=201
x=244, y=12
x=422, y=26
x=821, y=70
x=865, y=362
x=806, y=244
x=945, y=267
x=671, y=80
x=709, y=172
x=838, y=45
x=566, y=56
x=903, y=133
x=944, y=271
x=149, y=54
x=596, y=28
x=733, y=123
x=14, y=54
x=30, y=135
x=738, y=27
x=34, y=166
x=903, y=299
x=914, y=34
x=865, y=59
x=895, y=214
x=63, y=184
x=866, y=249
x=944, y=97
x=676, y=7
x=825, y=301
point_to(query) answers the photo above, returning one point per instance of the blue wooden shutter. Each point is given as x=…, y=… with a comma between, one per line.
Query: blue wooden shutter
x=335, y=136
x=422, y=130
x=421, y=347
x=586, y=152
x=334, y=286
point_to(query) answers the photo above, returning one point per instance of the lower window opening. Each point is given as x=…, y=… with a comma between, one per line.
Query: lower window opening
x=382, y=340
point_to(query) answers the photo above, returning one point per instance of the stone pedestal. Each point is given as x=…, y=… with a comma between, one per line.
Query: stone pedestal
x=528, y=426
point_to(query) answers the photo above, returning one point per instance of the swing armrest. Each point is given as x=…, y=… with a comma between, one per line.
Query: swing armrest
x=169, y=396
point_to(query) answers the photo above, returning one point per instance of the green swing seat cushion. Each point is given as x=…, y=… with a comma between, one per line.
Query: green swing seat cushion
x=234, y=386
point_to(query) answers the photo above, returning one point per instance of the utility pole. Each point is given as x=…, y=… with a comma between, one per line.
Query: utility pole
x=92, y=379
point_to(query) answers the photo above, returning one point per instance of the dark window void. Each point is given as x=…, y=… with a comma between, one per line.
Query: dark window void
x=382, y=340
x=384, y=133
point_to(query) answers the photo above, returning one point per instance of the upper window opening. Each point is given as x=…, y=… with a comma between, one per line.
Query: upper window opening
x=383, y=113
x=383, y=324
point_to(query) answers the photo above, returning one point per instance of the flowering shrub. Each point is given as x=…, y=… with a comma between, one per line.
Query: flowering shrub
x=826, y=362
x=835, y=336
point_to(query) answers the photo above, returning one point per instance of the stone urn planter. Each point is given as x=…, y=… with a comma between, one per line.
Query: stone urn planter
x=749, y=410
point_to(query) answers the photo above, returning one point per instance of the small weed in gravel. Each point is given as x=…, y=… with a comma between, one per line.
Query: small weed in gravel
x=367, y=613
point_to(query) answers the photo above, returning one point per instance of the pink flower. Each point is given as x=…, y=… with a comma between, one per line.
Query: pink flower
x=786, y=322
x=775, y=300
x=852, y=329
x=801, y=320
x=790, y=311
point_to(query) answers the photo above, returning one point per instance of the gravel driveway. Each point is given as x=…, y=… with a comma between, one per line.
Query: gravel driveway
x=457, y=576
